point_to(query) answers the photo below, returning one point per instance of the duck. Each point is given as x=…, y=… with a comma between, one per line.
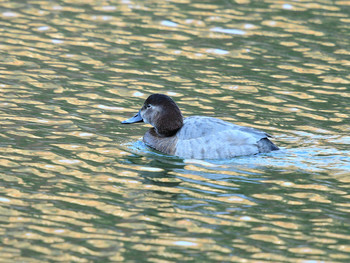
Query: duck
x=196, y=137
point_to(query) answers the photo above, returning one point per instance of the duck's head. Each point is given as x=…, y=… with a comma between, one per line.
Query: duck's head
x=162, y=113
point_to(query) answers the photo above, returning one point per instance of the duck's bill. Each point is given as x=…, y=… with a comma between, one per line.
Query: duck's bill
x=136, y=118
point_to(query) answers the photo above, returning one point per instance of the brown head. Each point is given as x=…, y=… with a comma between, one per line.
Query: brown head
x=162, y=113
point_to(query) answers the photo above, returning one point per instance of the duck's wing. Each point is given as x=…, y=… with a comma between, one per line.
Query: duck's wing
x=211, y=138
x=201, y=126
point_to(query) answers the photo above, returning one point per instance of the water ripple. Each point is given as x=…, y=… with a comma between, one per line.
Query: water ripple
x=77, y=186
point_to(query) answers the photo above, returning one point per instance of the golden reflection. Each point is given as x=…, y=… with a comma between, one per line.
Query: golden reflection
x=166, y=58
x=332, y=79
x=200, y=178
x=293, y=27
x=342, y=52
x=306, y=251
x=131, y=71
x=286, y=225
x=311, y=116
x=270, y=257
x=94, y=157
x=272, y=99
x=151, y=169
x=289, y=44
x=301, y=70
x=241, y=88
x=169, y=35
x=205, y=6
x=7, y=163
x=267, y=238
x=268, y=197
x=236, y=199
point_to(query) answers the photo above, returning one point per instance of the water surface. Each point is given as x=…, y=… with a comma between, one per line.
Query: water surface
x=77, y=186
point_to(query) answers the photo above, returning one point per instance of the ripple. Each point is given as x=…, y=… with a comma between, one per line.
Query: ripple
x=9, y=14
x=185, y=243
x=287, y=6
x=3, y=199
x=228, y=31
x=169, y=23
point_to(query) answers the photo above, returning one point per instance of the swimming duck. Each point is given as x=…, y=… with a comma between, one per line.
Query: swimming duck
x=196, y=137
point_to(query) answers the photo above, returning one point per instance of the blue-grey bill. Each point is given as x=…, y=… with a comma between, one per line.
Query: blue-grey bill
x=136, y=118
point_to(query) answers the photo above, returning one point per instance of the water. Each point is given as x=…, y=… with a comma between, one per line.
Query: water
x=77, y=186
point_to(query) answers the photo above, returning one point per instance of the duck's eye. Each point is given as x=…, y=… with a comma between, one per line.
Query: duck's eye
x=148, y=106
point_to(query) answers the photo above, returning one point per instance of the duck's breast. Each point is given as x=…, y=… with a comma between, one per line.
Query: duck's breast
x=211, y=138
x=163, y=144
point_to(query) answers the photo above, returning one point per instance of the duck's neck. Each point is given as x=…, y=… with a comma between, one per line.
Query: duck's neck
x=169, y=125
x=166, y=133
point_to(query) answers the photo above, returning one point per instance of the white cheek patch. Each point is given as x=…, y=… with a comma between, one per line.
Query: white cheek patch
x=149, y=115
x=143, y=116
x=146, y=121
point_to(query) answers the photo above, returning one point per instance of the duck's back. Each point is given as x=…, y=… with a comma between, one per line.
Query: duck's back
x=210, y=138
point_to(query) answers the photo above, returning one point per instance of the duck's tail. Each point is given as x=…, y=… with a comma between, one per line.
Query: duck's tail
x=265, y=146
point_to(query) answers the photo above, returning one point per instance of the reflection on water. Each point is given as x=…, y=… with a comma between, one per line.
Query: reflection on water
x=78, y=186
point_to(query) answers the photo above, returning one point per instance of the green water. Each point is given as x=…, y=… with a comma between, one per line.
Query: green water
x=77, y=186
